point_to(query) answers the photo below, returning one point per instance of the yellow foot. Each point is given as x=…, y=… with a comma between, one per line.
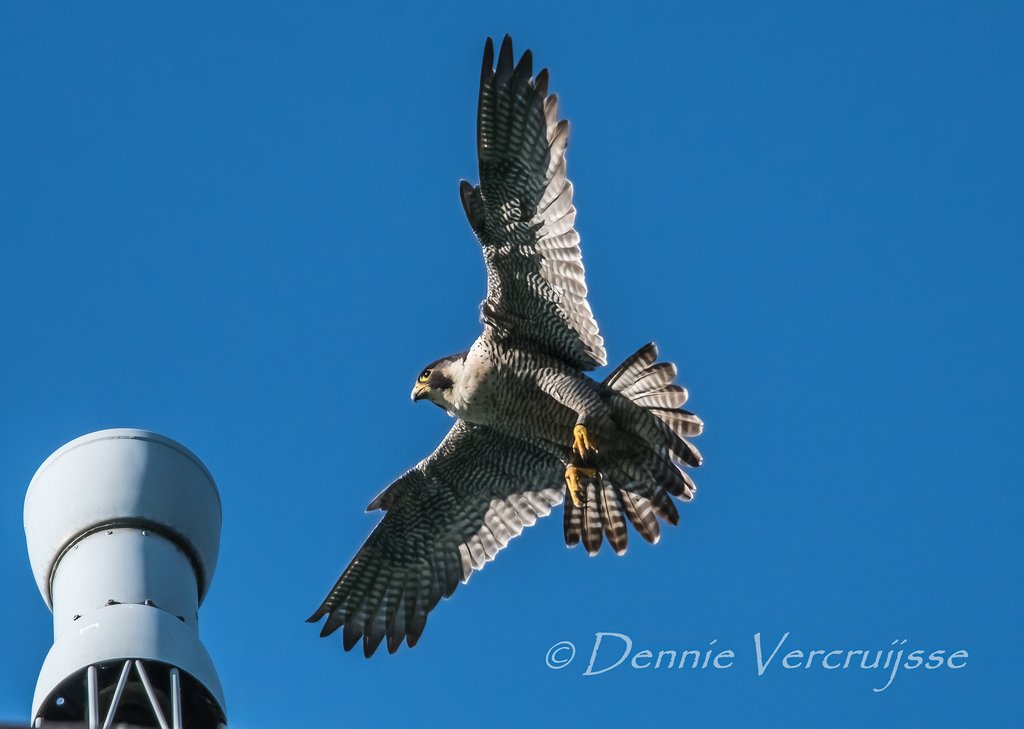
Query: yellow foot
x=572, y=481
x=581, y=442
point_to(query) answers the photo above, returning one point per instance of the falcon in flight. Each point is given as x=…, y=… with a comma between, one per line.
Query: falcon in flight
x=532, y=429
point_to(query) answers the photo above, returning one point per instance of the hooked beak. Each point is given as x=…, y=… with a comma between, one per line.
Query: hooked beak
x=419, y=392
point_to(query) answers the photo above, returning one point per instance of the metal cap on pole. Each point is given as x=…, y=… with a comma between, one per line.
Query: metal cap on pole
x=123, y=530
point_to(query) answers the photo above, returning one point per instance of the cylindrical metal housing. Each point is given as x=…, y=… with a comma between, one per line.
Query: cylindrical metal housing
x=123, y=531
x=123, y=565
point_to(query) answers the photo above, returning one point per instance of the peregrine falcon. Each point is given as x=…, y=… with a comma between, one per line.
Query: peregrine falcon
x=532, y=429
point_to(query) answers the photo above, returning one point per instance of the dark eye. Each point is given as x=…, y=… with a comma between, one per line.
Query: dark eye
x=425, y=375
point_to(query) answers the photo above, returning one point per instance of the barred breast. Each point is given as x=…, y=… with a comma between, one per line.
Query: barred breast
x=500, y=387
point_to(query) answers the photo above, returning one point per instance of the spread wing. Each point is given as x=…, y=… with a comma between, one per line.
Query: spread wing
x=523, y=215
x=446, y=517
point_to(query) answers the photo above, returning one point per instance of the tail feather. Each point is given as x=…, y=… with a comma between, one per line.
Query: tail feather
x=664, y=507
x=656, y=376
x=611, y=515
x=641, y=515
x=668, y=397
x=626, y=373
x=691, y=487
x=687, y=452
x=683, y=423
x=638, y=487
x=663, y=474
x=572, y=522
x=592, y=524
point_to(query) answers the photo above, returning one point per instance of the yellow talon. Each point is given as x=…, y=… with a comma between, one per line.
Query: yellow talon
x=572, y=481
x=581, y=442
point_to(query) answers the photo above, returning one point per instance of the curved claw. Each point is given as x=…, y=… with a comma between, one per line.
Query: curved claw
x=572, y=482
x=582, y=444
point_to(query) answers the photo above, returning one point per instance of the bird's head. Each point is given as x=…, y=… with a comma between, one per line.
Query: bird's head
x=437, y=380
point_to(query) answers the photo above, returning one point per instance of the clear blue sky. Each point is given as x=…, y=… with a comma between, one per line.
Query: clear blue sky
x=239, y=226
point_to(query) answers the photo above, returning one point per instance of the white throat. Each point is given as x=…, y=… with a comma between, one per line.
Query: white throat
x=469, y=376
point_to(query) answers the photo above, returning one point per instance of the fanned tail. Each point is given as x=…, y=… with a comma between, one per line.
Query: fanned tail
x=637, y=487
